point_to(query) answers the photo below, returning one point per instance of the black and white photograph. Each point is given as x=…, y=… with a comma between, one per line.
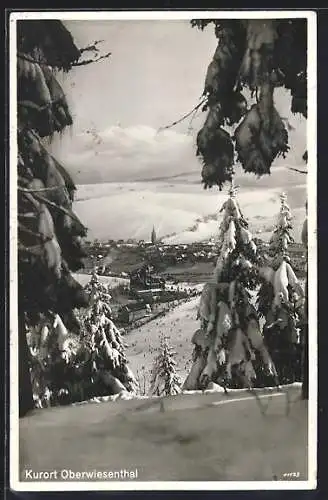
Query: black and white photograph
x=163, y=251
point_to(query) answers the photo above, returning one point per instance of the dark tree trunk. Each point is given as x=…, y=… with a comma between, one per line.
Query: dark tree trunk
x=305, y=354
x=26, y=402
x=305, y=367
x=305, y=350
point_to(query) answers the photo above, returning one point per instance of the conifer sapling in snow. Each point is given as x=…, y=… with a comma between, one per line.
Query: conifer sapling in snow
x=164, y=378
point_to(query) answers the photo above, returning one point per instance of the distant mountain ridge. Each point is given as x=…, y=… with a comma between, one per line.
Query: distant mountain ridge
x=181, y=212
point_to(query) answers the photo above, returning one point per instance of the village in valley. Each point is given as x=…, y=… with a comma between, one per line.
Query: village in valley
x=150, y=276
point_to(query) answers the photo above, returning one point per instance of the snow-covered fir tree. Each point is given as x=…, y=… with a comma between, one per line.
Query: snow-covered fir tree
x=277, y=253
x=277, y=272
x=229, y=334
x=165, y=380
x=104, y=341
x=281, y=299
x=66, y=368
x=51, y=348
x=282, y=233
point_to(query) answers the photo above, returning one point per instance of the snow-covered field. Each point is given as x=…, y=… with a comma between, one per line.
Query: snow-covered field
x=180, y=210
x=178, y=326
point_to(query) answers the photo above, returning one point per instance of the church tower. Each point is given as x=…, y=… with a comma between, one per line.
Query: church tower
x=153, y=236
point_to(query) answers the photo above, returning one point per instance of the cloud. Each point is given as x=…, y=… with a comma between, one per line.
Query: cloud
x=140, y=152
x=127, y=154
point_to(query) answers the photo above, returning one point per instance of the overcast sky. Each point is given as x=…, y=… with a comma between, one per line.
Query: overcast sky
x=155, y=74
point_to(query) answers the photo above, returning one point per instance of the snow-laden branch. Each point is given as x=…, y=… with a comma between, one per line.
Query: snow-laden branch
x=89, y=48
x=297, y=170
x=184, y=117
x=39, y=190
x=89, y=61
x=42, y=199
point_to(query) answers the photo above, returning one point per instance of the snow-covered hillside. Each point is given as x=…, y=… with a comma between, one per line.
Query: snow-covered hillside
x=180, y=210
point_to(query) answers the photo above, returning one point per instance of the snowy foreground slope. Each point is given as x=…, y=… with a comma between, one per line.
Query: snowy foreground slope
x=194, y=437
x=189, y=437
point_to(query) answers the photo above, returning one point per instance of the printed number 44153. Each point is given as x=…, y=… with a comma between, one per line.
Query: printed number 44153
x=291, y=475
